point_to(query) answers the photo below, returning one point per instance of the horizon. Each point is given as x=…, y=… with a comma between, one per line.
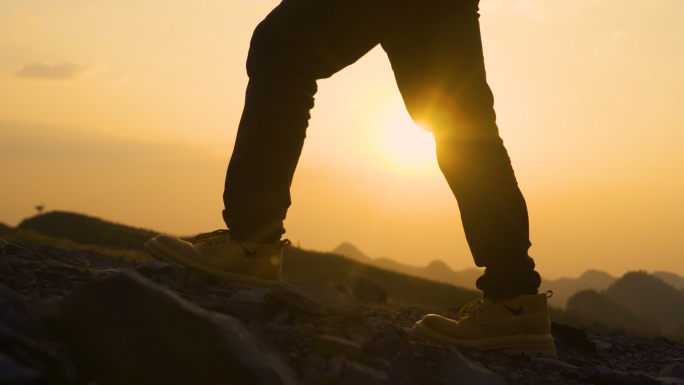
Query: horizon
x=375, y=258
x=136, y=125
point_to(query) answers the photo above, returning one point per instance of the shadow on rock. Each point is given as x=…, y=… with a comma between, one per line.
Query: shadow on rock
x=124, y=329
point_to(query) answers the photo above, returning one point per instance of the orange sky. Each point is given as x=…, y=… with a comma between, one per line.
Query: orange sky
x=128, y=110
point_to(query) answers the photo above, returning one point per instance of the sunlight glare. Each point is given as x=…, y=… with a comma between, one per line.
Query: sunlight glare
x=407, y=144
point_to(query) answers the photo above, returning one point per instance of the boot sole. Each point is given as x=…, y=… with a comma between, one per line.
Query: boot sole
x=539, y=345
x=164, y=254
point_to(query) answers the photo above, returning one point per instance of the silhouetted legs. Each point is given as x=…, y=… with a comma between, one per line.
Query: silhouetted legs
x=435, y=50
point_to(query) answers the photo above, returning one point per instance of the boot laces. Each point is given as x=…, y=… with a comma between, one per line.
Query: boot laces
x=474, y=307
x=214, y=237
x=221, y=236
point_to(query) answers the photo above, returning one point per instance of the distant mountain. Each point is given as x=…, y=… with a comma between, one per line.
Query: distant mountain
x=646, y=295
x=564, y=288
x=350, y=251
x=591, y=305
x=435, y=270
x=87, y=230
x=670, y=278
x=332, y=268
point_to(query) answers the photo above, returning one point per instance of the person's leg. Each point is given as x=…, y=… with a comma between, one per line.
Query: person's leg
x=297, y=43
x=436, y=54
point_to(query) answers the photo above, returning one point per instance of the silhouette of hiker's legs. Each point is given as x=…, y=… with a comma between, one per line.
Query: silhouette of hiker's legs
x=435, y=50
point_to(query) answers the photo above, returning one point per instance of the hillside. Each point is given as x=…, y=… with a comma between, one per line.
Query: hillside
x=87, y=230
x=564, y=288
x=302, y=265
x=671, y=279
x=435, y=270
x=592, y=306
x=646, y=295
x=77, y=231
x=72, y=318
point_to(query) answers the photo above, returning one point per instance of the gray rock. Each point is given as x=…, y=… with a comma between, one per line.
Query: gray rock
x=353, y=373
x=329, y=346
x=554, y=364
x=675, y=369
x=17, y=315
x=124, y=329
x=313, y=369
x=247, y=305
x=315, y=302
x=363, y=289
x=456, y=369
x=602, y=345
x=603, y=375
x=15, y=250
x=169, y=274
x=671, y=380
x=13, y=372
x=468, y=349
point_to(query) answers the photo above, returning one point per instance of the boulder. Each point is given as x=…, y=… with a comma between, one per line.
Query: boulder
x=603, y=375
x=13, y=372
x=675, y=369
x=458, y=370
x=124, y=329
x=349, y=372
x=314, y=302
x=329, y=346
x=16, y=314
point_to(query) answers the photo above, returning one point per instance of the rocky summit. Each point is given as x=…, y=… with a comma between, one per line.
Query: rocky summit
x=78, y=317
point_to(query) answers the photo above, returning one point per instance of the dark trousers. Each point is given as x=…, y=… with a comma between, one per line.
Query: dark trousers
x=435, y=50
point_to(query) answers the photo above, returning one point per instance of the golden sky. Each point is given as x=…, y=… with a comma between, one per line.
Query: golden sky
x=127, y=110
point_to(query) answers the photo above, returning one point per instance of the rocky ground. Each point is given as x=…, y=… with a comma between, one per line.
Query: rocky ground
x=75, y=317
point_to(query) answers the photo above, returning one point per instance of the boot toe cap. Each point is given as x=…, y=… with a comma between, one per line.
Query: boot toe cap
x=438, y=323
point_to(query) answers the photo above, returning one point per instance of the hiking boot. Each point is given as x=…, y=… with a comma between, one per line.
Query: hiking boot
x=246, y=264
x=517, y=326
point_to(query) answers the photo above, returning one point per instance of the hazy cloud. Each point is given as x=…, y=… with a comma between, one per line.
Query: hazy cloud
x=61, y=71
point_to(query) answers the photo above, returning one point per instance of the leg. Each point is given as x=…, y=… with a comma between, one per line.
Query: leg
x=299, y=42
x=440, y=73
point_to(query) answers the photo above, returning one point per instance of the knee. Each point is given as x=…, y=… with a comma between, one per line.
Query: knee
x=262, y=47
x=279, y=51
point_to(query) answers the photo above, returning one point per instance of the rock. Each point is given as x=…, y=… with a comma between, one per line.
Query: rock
x=124, y=329
x=16, y=314
x=353, y=373
x=247, y=305
x=363, y=289
x=15, y=250
x=69, y=258
x=175, y=274
x=675, y=369
x=671, y=380
x=602, y=345
x=313, y=368
x=13, y=372
x=567, y=337
x=456, y=369
x=468, y=349
x=45, y=356
x=195, y=282
x=386, y=344
x=329, y=346
x=603, y=375
x=554, y=364
x=315, y=302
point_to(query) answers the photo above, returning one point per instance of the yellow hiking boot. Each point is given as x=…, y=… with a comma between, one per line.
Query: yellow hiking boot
x=246, y=264
x=518, y=325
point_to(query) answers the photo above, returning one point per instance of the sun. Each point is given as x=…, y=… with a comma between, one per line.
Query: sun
x=404, y=143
